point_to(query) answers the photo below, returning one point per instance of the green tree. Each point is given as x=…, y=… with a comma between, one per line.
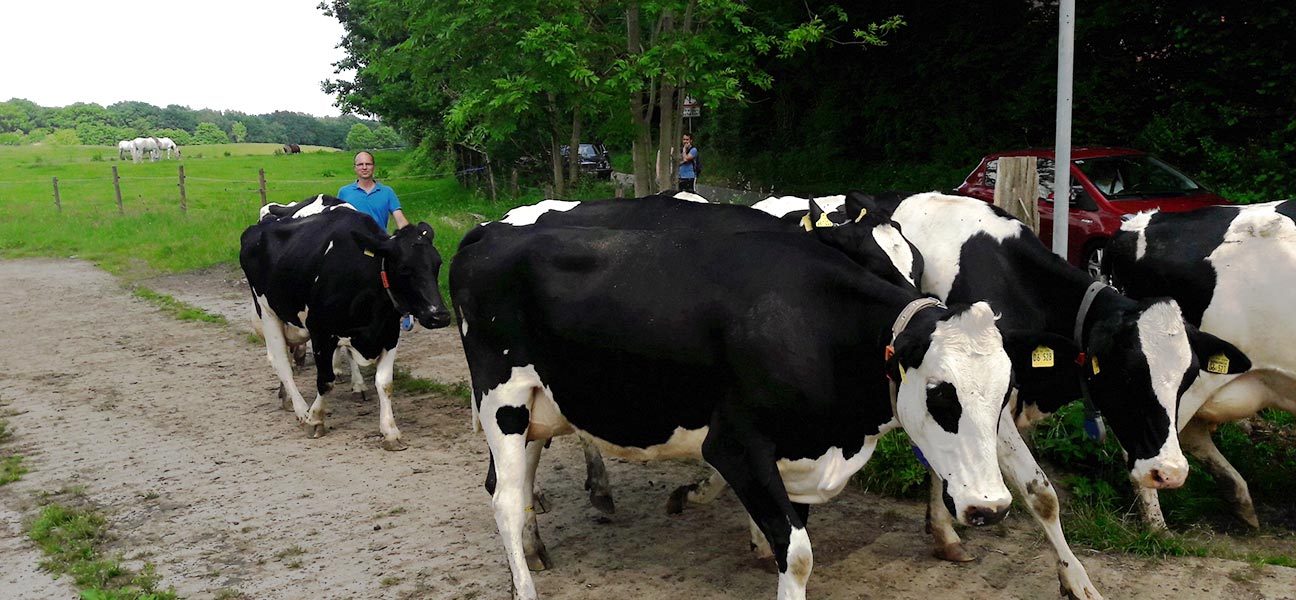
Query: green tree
x=239, y=131
x=360, y=138
x=386, y=137
x=209, y=133
x=179, y=136
x=63, y=137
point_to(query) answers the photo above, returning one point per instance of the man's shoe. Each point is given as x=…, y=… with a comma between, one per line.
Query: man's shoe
x=407, y=322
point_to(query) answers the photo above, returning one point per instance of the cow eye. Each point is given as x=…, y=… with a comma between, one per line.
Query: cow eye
x=943, y=405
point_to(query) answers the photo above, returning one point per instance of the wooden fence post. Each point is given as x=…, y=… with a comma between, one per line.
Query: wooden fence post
x=184, y=202
x=1017, y=190
x=117, y=187
x=57, y=202
x=261, y=177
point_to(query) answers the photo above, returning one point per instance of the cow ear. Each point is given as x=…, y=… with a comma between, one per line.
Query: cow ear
x=859, y=204
x=425, y=230
x=818, y=218
x=1215, y=355
x=1047, y=367
x=379, y=246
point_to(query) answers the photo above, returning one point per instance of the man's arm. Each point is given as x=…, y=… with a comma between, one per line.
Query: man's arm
x=401, y=221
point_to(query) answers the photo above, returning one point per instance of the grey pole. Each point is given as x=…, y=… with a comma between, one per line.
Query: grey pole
x=1062, y=144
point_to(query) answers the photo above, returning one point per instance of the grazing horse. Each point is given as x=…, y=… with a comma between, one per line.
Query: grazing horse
x=124, y=148
x=292, y=149
x=167, y=145
x=145, y=144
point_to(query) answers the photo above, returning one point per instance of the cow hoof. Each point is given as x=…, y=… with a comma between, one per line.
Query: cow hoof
x=316, y=430
x=395, y=445
x=953, y=553
x=603, y=502
x=678, y=498
x=358, y=396
x=539, y=561
x=539, y=502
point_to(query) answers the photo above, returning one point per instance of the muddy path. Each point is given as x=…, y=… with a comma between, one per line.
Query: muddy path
x=174, y=431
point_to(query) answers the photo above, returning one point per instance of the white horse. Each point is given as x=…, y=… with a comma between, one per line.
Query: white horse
x=167, y=145
x=125, y=147
x=143, y=145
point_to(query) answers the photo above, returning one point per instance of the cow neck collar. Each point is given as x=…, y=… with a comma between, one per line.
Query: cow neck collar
x=908, y=313
x=382, y=274
x=1085, y=303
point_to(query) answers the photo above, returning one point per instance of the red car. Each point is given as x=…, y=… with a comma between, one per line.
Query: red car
x=1107, y=186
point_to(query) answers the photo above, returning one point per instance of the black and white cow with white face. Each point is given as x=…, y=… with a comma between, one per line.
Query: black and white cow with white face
x=1232, y=269
x=321, y=267
x=763, y=352
x=1137, y=357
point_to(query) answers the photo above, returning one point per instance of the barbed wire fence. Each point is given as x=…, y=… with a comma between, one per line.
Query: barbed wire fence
x=261, y=183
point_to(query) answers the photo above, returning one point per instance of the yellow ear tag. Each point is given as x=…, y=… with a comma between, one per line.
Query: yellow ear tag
x=902, y=374
x=805, y=222
x=1218, y=364
x=1042, y=357
x=1095, y=365
x=863, y=211
x=368, y=253
x=823, y=221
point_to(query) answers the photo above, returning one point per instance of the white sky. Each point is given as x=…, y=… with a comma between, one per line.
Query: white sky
x=254, y=56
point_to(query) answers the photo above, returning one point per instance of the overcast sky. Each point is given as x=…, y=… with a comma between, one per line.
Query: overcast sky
x=254, y=56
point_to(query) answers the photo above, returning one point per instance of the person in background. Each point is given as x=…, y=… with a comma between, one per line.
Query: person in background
x=376, y=200
x=687, y=174
x=371, y=197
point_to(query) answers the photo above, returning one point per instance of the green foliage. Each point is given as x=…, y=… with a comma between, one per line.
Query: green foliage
x=360, y=138
x=71, y=539
x=179, y=136
x=894, y=470
x=11, y=469
x=209, y=133
x=63, y=137
x=238, y=131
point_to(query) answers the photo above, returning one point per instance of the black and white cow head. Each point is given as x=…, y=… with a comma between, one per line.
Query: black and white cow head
x=953, y=379
x=1139, y=363
x=412, y=265
x=870, y=239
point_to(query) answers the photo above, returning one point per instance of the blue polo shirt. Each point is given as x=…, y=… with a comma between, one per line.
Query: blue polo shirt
x=378, y=203
x=686, y=170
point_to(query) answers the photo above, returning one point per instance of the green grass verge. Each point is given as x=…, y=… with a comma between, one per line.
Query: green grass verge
x=405, y=383
x=180, y=310
x=71, y=539
x=11, y=469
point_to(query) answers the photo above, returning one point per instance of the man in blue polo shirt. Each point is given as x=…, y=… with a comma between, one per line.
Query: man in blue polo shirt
x=376, y=200
x=371, y=197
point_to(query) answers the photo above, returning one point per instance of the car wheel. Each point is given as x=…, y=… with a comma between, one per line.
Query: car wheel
x=1092, y=263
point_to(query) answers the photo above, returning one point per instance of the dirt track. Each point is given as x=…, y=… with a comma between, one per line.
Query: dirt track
x=173, y=428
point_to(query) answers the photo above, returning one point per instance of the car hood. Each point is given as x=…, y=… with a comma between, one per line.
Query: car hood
x=1175, y=204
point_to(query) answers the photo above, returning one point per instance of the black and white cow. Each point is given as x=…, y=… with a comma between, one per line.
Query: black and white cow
x=1232, y=269
x=763, y=352
x=1135, y=359
x=322, y=267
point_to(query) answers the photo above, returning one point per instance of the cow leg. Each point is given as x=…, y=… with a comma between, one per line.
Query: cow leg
x=537, y=556
x=357, y=379
x=1196, y=439
x=505, y=415
x=277, y=353
x=322, y=346
x=940, y=524
x=1025, y=475
x=596, y=478
x=299, y=357
x=702, y=492
x=748, y=465
x=383, y=383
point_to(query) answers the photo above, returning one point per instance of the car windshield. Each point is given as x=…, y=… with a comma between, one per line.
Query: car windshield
x=588, y=151
x=1136, y=177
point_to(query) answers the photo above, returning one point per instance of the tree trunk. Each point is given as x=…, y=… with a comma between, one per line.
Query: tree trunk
x=666, y=139
x=573, y=150
x=555, y=158
x=641, y=145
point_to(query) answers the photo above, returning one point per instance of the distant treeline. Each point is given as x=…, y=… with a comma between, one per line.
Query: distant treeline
x=25, y=122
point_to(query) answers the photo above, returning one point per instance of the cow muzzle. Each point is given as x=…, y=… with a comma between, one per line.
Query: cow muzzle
x=434, y=319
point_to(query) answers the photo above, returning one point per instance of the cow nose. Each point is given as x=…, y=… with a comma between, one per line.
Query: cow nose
x=978, y=516
x=1163, y=479
x=435, y=319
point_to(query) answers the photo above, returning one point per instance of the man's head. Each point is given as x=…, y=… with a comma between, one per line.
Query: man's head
x=364, y=165
x=688, y=140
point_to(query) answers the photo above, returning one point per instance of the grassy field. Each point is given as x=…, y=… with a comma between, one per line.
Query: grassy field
x=151, y=234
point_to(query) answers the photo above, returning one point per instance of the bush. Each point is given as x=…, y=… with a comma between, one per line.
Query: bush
x=209, y=133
